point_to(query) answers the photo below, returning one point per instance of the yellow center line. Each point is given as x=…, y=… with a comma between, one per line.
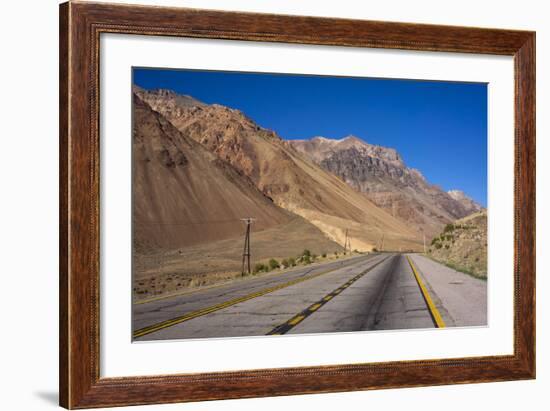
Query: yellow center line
x=296, y=319
x=429, y=302
x=286, y=326
x=194, y=314
x=190, y=292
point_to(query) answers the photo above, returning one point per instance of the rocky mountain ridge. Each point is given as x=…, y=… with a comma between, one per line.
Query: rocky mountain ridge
x=291, y=180
x=168, y=170
x=381, y=174
x=470, y=205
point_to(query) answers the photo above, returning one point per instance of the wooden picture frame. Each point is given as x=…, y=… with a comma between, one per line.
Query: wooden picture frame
x=80, y=27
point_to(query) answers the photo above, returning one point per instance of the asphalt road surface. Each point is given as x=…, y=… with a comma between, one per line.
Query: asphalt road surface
x=368, y=292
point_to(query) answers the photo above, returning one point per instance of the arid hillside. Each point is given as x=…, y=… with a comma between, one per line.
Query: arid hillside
x=381, y=174
x=187, y=210
x=291, y=180
x=463, y=245
x=184, y=195
x=470, y=205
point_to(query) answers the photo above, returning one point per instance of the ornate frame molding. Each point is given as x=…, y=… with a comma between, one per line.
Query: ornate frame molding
x=80, y=27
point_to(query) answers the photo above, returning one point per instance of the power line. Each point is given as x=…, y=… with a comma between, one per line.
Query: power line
x=176, y=223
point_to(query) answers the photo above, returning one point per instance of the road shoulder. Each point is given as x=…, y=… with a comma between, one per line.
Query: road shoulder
x=462, y=299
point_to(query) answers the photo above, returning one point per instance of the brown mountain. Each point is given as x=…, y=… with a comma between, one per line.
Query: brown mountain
x=187, y=210
x=470, y=205
x=381, y=174
x=185, y=195
x=291, y=180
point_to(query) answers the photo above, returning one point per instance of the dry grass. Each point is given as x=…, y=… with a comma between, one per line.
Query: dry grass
x=462, y=246
x=163, y=272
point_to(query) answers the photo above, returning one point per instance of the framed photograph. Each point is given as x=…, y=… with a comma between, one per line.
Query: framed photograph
x=259, y=205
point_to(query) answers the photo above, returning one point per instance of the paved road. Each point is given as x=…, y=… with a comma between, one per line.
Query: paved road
x=376, y=292
x=162, y=309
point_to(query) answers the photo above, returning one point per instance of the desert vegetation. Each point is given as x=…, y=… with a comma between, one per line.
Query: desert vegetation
x=168, y=275
x=462, y=245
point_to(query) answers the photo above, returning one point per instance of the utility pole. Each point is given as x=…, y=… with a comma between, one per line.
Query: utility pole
x=246, y=250
x=382, y=243
x=346, y=242
x=424, y=240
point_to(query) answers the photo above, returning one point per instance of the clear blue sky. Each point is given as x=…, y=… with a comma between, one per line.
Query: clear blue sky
x=439, y=128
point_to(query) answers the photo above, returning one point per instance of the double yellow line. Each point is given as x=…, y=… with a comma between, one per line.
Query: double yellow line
x=289, y=324
x=436, y=316
x=207, y=310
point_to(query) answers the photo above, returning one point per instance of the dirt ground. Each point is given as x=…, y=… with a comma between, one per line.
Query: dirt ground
x=163, y=272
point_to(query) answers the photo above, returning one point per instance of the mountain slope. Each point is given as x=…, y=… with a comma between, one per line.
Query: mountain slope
x=470, y=205
x=183, y=194
x=463, y=245
x=382, y=176
x=291, y=180
x=187, y=205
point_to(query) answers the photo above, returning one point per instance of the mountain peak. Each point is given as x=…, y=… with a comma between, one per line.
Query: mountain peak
x=380, y=173
x=321, y=139
x=353, y=138
x=320, y=147
x=353, y=141
x=468, y=203
x=349, y=138
x=163, y=97
x=456, y=193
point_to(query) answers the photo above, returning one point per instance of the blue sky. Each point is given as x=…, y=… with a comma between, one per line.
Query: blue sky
x=439, y=128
